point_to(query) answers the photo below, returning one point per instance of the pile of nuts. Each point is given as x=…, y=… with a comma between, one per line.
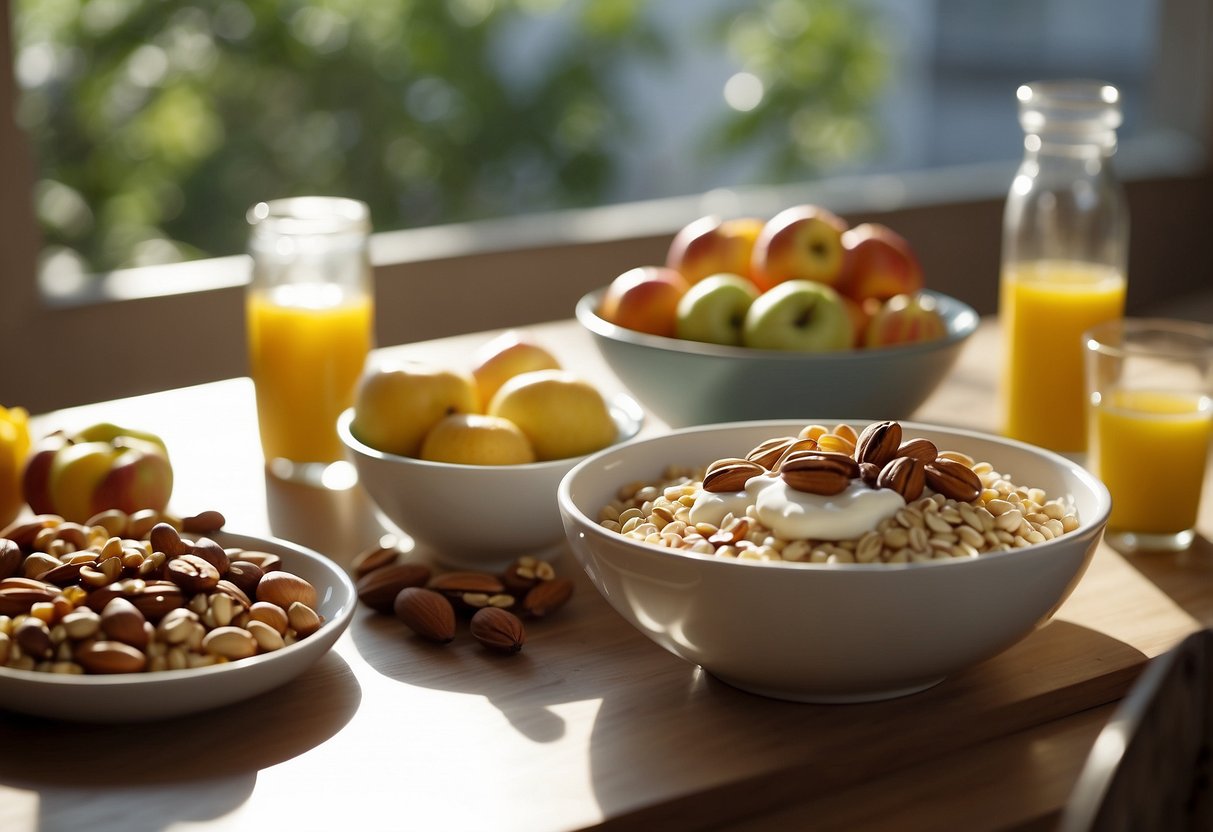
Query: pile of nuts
x=128, y=593
x=955, y=507
x=430, y=604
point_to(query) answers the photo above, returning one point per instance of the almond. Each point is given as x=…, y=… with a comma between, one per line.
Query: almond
x=460, y=582
x=378, y=589
x=386, y=553
x=34, y=639
x=953, y=479
x=110, y=657
x=498, y=630
x=192, y=573
x=10, y=558
x=122, y=621
x=427, y=613
x=923, y=450
x=165, y=538
x=725, y=476
x=547, y=597
x=878, y=443
x=204, y=522
x=284, y=588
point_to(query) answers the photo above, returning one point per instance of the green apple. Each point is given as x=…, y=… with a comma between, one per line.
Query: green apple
x=799, y=315
x=395, y=406
x=714, y=309
x=108, y=432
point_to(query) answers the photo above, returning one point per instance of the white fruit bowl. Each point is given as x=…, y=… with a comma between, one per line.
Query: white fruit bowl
x=472, y=516
x=828, y=632
x=689, y=382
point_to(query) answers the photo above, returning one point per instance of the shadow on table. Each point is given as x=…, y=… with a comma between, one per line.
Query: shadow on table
x=211, y=758
x=1185, y=576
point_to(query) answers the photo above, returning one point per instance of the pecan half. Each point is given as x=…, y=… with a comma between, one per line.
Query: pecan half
x=730, y=474
x=878, y=443
x=952, y=479
x=819, y=472
x=905, y=475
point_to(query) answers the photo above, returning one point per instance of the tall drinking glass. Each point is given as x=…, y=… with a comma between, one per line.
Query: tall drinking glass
x=1150, y=383
x=310, y=326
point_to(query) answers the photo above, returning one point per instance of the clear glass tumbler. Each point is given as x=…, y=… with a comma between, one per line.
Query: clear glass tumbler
x=1150, y=386
x=310, y=321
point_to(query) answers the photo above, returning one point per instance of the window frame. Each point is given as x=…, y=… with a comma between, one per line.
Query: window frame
x=153, y=328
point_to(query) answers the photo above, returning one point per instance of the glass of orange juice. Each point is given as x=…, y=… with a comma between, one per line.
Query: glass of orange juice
x=1150, y=383
x=310, y=325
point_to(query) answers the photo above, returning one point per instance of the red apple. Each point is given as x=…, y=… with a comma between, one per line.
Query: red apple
x=906, y=319
x=35, y=479
x=645, y=299
x=80, y=475
x=803, y=242
x=710, y=245
x=861, y=313
x=880, y=263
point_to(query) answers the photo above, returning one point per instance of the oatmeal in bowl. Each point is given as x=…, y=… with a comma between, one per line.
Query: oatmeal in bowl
x=826, y=560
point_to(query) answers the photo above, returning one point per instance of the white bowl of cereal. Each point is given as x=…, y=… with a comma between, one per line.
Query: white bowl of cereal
x=907, y=594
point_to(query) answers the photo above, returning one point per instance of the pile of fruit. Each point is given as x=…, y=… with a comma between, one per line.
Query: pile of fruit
x=801, y=281
x=515, y=406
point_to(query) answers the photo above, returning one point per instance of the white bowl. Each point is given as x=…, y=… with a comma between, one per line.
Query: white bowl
x=139, y=697
x=823, y=632
x=472, y=516
x=718, y=383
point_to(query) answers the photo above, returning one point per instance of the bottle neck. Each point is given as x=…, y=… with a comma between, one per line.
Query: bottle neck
x=1090, y=145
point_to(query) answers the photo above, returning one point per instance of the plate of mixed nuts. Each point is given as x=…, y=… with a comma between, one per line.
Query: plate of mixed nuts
x=102, y=623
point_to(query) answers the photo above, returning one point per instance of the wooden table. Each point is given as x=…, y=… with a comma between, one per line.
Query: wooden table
x=592, y=725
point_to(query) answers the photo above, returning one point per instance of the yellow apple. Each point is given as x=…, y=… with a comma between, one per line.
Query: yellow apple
x=395, y=406
x=504, y=357
x=561, y=414
x=477, y=439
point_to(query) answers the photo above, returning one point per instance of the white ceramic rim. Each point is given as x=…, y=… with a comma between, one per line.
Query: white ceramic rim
x=962, y=324
x=625, y=411
x=1086, y=524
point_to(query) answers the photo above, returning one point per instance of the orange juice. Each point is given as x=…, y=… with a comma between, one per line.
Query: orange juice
x=307, y=346
x=1045, y=306
x=1150, y=449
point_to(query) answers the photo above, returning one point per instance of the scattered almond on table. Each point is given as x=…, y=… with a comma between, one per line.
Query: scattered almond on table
x=430, y=604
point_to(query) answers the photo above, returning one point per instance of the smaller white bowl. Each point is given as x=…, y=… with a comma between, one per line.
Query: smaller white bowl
x=140, y=697
x=472, y=516
x=828, y=632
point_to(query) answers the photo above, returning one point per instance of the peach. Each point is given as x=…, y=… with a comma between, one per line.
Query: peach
x=645, y=299
x=709, y=246
x=880, y=263
x=905, y=319
x=803, y=242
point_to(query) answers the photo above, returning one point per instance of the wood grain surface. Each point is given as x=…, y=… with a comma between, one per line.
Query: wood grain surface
x=592, y=725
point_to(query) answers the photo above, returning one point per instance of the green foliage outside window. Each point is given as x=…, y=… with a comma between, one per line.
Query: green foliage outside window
x=156, y=123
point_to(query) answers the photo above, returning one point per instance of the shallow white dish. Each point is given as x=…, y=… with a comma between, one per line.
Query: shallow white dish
x=822, y=632
x=473, y=516
x=138, y=697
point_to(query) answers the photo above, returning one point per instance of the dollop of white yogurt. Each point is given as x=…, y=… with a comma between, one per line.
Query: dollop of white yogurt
x=794, y=515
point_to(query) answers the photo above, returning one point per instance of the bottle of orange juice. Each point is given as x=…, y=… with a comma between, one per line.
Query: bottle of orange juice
x=1064, y=254
x=310, y=326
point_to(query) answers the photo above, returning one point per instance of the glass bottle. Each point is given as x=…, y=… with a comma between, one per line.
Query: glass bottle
x=310, y=327
x=1064, y=255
